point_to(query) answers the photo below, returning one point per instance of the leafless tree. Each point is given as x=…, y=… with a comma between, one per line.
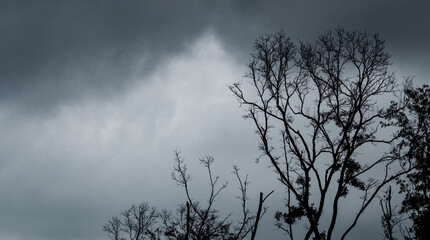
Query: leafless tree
x=113, y=228
x=315, y=110
x=193, y=221
x=390, y=218
x=138, y=220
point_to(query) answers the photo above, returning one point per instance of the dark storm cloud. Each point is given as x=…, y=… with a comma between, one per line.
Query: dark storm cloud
x=58, y=50
x=404, y=24
x=55, y=50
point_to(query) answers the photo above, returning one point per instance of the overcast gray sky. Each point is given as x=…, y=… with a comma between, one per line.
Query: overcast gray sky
x=96, y=95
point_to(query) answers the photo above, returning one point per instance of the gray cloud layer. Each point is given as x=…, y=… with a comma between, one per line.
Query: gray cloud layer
x=95, y=96
x=53, y=51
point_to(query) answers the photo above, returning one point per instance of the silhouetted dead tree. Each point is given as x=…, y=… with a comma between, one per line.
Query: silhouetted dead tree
x=190, y=221
x=314, y=108
x=197, y=222
x=113, y=228
x=391, y=218
x=137, y=222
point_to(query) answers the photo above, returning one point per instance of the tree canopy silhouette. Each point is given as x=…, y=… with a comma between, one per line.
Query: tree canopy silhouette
x=416, y=130
x=314, y=107
x=414, y=124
